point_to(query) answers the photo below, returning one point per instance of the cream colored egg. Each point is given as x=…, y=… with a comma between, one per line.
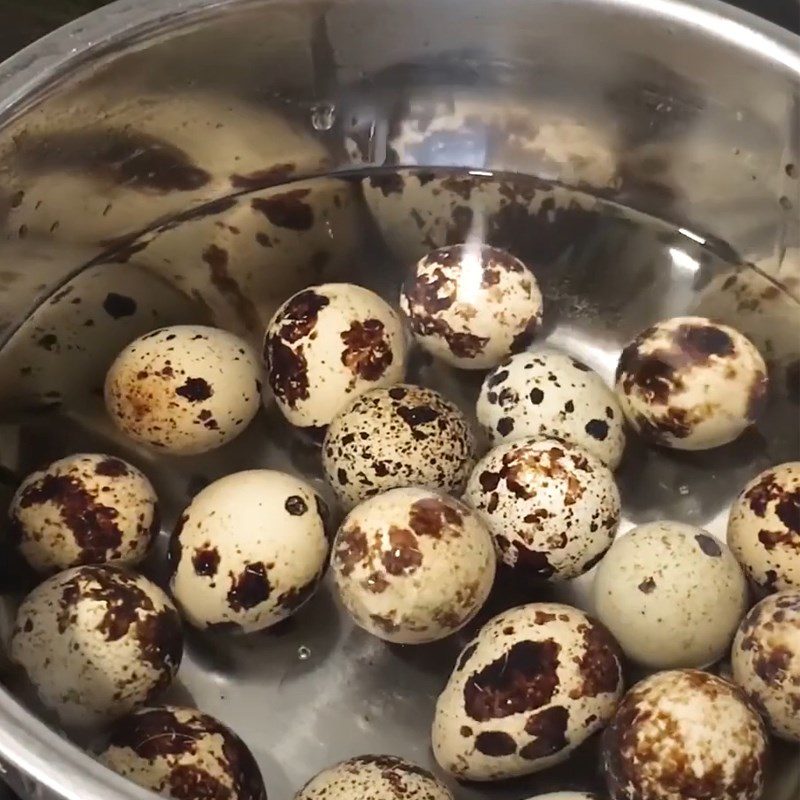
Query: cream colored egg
x=535, y=683
x=400, y=436
x=249, y=551
x=548, y=393
x=690, y=383
x=766, y=661
x=413, y=565
x=96, y=642
x=183, y=753
x=328, y=344
x=684, y=734
x=472, y=305
x=671, y=594
x=184, y=389
x=376, y=778
x=764, y=528
x=552, y=508
x=84, y=509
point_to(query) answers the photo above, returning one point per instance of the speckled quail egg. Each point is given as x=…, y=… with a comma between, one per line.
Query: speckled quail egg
x=400, y=436
x=685, y=734
x=183, y=753
x=328, y=344
x=375, y=778
x=472, y=305
x=248, y=551
x=690, y=383
x=548, y=393
x=766, y=661
x=536, y=682
x=97, y=641
x=413, y=565
x=84, y=509
x=764, y=528
x=552, y=508
x=672, y=594
x=184, y=389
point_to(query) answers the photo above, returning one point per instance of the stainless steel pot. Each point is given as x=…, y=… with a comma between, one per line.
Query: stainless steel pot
x=124, y=133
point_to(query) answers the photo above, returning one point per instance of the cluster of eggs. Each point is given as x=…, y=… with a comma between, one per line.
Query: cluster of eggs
x=415, y=558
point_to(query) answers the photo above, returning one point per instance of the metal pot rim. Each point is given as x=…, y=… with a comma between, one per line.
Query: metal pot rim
x=27, y=744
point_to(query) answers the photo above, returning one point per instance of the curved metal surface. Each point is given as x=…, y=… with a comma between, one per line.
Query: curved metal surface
x=592, y=96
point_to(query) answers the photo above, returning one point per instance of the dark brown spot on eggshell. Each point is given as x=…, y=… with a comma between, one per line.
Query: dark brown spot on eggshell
x=295, y=505
x=287, y=210
x=195, y=390
x=549, y=727
x=261, y=178
x=433, y=516
x=217, y=260
x=249, y=588
x=647, y=586
x=352, y=548
x=495, y=743
x=403, y=556
x=415, y=416
x=523, y=679
x=111, y=468
x=599, y=666
x=534, y=562
x=367, y=352
x=293, y=598
x=597, y=429
x=189, y=782
x=206, y=561
x=93, y=525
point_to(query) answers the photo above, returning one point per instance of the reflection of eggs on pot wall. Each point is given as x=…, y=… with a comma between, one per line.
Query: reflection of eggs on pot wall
x=64, y=348
x=247, y=256
x=144, y=158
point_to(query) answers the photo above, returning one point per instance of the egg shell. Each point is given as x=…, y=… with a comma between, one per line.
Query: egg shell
x=375, y=778
x=764, y=528
x=328, y=344
x=413, y=565
x=472, y=305
x=548, y=393
x=672, y=594
x=685, y=734
x=400, y=436
x=183, y=753
x=690, y=383
x=84, y=509
x=766, y=661
x=249, y=551
x=565, y=796
x=552, y=508
x=184, y=389
x=536, y=682
x=96, y=642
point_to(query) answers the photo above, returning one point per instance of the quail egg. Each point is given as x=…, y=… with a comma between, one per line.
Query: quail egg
x=399, y=436
x=413, y=565
x=472, y=305
x=548, y=393
x=248, y=551
x=764, y=528
x=766, y=661
x=97, y=641
x=84, y=509
x=672, y=594
x=685, y=734
x=552, y=508
x=536, y=682
x=328, y=344
x=184, y=389
x=690, y=383
x=376, y=778
x=183, y=753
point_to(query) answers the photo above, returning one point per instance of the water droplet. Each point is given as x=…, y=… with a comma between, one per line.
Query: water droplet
x=303, y=653
x=323, y=116
x=683, y=490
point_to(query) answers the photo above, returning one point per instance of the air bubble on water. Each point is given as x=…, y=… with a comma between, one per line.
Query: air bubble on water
x=683, y=490
x=303, y=653
x=323, y=116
